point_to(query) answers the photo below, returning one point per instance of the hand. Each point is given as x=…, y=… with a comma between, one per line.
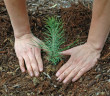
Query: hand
x=82, y=59
x=25, y=51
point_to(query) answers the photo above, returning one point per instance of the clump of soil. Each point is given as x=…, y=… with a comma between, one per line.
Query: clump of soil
x=76, y=20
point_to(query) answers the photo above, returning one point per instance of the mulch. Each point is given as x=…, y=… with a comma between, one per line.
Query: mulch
x=76, y=19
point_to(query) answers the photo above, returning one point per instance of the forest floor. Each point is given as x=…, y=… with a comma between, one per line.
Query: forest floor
x=76, y=19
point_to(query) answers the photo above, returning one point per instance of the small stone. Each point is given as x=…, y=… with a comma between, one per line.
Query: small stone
x=28, y=94
x=102, y=93
x=16, y=86
x=97, y=93
x=85, y=90
x=108, y=80
x=55, y=86
x=52, y=94
x=10, y=73
x=108, y=71
x=97, y=76
x=0, y=68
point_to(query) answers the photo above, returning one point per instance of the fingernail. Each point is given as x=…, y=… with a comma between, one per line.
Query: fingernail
x=31, y=74
x=23, y=70
x=37, y=74
x=41, y=69
x=73, y=80
x=64, y=81
x=58, y=79
x=57, y=74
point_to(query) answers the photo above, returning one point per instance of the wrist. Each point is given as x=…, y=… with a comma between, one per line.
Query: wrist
x=24, y=36
x=95, y=45
x=18, y=33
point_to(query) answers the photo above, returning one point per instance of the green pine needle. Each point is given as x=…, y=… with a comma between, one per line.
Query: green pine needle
x=54, y=39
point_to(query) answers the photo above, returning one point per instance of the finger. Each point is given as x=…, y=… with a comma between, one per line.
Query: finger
x=70, y=76
x=33, y=62
x=39, y=60
x=73, y=72
x=21, y=63
x=64, y=67
x=28, y=64
x=67, y=52
x=86, y=68
x=80, y=73
x=66, y=72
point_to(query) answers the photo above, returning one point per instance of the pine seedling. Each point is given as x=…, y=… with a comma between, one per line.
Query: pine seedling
x=54, y=39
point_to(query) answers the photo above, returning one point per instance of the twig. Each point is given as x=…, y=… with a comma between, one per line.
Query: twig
x=2, y=52
x=47, y=75
x=104, y=57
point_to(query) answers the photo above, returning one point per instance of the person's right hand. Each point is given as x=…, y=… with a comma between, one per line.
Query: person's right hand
x=25, y=51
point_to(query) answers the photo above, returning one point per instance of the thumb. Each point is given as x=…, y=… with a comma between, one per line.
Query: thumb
x=66, y=52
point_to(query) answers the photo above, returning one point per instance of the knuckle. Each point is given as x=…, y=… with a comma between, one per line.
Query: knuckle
x=61, y=76
x=38, y=57
x=81, y=71
x=21, y=65
x=61, y=70
x=74, y=71
x=71, y=75
x=32, y=60
x=35, y=69
x=30, y=69
x=67, y=71
x=71, y=67
x=28, y=50
x=69, y=62
x=25, y=51
x=76, y=77
x=33, y=63
x=37, y=49
x=40, y=64
x=19, y=57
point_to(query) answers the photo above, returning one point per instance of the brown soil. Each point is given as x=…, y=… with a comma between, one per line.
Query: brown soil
x=76, y=20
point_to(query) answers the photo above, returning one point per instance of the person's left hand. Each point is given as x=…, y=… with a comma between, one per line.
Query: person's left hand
x=82, y=59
